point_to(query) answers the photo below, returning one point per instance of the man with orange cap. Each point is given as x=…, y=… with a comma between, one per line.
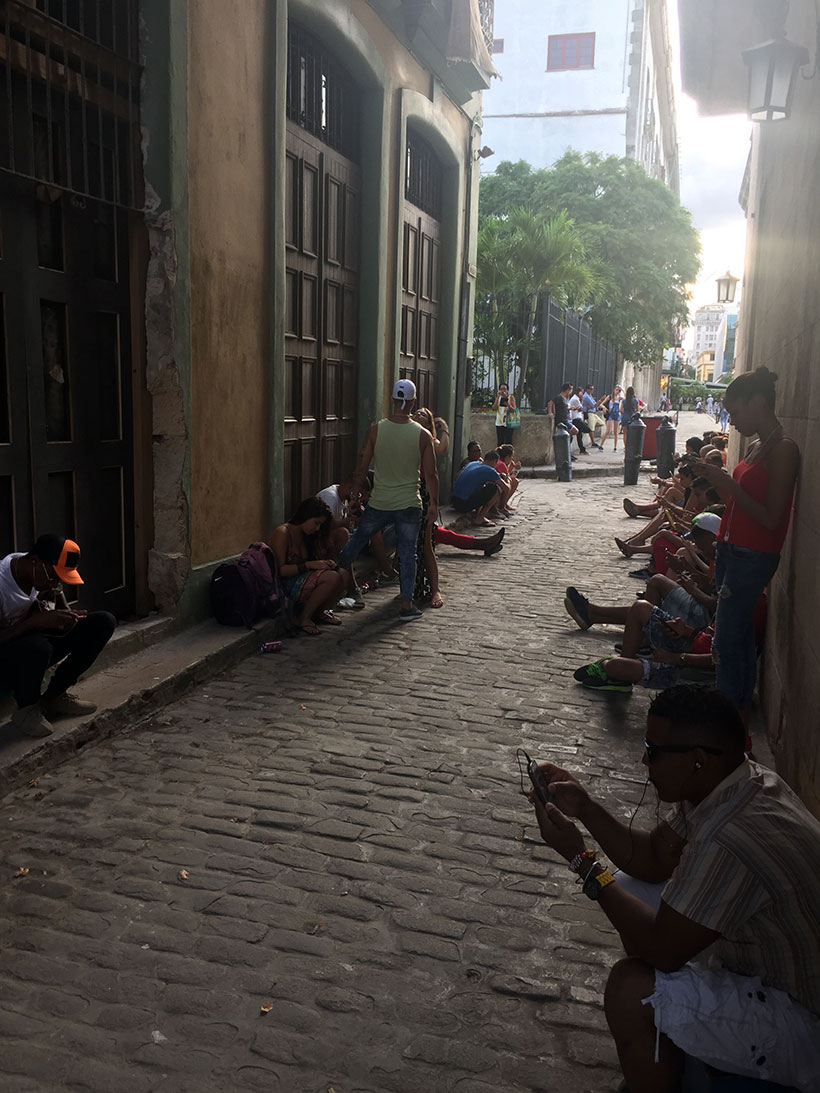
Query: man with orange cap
x=38, y=630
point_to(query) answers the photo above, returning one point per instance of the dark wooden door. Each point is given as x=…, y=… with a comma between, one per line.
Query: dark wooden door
x=66, y=456
x=322, y=304
x=421, y=293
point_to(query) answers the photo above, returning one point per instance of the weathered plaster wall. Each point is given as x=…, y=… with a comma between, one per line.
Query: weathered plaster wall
x=780, y=326
x=228, y=252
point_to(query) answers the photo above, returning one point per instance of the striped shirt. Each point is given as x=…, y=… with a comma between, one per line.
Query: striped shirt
x=750, y=870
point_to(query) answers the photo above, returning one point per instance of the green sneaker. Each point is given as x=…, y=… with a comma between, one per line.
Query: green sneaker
x=594, y=676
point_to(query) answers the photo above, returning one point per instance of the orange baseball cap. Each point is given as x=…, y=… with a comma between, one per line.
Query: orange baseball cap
x=62, y=554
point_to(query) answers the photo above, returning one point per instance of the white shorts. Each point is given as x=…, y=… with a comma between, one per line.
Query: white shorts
x=736, y=1024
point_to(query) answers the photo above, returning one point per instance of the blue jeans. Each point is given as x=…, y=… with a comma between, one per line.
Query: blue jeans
x=407, y=523
x=741, y=576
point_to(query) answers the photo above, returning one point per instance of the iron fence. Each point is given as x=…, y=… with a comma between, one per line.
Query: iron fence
x=566, y=350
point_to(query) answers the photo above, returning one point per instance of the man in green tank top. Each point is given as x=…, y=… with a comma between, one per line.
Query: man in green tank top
x=396, y=447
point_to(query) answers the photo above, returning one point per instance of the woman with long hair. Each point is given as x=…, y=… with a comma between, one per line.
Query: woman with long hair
x=427, y=585
x=629, y=408
x=758, y=496
x=613, y=415
x=312, y=583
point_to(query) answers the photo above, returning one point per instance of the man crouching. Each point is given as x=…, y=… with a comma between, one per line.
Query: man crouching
x=38, y=629
x=734, y=869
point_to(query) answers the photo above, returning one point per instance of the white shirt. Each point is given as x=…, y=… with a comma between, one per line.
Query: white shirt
x=15, y=604
x=575, y=404
x=331, y=498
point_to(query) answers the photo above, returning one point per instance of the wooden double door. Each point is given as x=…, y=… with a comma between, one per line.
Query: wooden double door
x=66, y=445
x=323, y=211
x=420, y=303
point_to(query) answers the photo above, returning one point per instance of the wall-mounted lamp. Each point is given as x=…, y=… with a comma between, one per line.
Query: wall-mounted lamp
x=484, y=153
x=773, y=68
x=726, y=286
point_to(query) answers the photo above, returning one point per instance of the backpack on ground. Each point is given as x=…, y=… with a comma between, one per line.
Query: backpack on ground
x=248, y=589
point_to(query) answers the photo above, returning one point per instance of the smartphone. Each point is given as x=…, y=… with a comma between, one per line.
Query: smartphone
x=539, y=782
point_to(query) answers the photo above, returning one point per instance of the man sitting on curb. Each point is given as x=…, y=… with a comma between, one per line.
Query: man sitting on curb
x=734, y=870
x=38, y=629
x=480, y=488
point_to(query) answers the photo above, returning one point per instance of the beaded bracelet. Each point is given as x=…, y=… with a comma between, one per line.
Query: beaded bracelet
x=579, y=859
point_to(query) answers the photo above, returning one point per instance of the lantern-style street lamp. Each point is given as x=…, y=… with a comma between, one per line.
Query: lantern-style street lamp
x=773, y=67
x=726, y=286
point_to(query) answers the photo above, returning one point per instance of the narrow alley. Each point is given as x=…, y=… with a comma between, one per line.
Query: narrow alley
x=318, y=872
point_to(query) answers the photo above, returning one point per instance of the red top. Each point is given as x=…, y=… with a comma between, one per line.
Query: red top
x=738, y=527
x=502, y=467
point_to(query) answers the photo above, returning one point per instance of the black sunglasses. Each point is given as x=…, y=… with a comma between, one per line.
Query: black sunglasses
x=654, y=750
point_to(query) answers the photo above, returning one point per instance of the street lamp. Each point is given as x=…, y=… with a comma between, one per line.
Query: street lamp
x=772, y=68
x=726, y=286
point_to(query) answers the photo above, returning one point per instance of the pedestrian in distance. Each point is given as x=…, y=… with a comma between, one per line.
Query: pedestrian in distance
x=396, y=447
x=38, y=629
x=502, y=404
x=612, y=404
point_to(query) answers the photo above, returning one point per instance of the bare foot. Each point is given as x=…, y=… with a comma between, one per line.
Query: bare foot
x=437, y=601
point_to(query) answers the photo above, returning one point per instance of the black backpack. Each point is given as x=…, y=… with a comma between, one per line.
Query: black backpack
x=248, y=589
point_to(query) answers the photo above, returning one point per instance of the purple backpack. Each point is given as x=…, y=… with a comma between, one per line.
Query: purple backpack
x=248, y=589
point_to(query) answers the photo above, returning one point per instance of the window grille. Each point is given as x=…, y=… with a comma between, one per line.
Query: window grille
x=321, y=96
x=423, y=176
x=486, y=10
x=69, y=96
x=566, y=51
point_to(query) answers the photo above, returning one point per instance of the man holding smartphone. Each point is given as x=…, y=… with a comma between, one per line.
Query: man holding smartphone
x=734, y=869
x=38, y=629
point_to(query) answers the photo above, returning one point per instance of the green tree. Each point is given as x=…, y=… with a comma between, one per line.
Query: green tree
x=641, y=244
x=521, y=257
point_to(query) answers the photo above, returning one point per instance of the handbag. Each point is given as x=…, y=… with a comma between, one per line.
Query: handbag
x=513, y=418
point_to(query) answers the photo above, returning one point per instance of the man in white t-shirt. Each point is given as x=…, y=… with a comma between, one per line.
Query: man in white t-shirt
x=337, y=499
x=38, y=630
x=576, y=416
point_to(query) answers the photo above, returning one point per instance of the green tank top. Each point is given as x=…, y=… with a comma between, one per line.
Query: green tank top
x=396, y=463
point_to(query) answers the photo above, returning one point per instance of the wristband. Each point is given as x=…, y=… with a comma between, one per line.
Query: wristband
x=596, y=882
x=579, y=859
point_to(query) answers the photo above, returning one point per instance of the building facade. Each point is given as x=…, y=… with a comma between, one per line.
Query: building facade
x=779, y=327
x=228, y=226
x=594, y=77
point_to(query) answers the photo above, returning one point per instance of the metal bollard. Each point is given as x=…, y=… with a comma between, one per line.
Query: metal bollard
x=635, y=433
x=666, y=448
x=562, y=443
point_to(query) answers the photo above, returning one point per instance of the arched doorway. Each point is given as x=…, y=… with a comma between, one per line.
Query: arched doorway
x=323, y=216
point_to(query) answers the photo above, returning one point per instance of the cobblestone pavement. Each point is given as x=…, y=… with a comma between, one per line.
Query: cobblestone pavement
x=335, y=835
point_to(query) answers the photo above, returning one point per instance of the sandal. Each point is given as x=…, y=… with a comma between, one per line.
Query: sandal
x=310, y=628
x=329, y=619
x=437, y=601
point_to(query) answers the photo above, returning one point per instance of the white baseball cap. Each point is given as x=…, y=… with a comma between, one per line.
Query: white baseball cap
x=707, y=521
x=404, y=391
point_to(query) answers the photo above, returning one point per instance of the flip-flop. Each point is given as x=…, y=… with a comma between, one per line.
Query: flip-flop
x=440, y=600
x=328, y=619
x=485, y=523
x=311, y=629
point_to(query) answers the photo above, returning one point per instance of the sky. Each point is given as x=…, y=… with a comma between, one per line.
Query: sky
x=713, y=153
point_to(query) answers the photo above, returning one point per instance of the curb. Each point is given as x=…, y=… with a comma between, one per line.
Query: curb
x=54, y=750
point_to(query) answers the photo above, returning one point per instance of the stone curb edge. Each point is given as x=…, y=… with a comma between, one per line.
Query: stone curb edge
x=138, y=706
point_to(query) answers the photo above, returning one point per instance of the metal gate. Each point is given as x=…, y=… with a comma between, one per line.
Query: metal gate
x=421, y=270
x=70, y=183
x=323, y=214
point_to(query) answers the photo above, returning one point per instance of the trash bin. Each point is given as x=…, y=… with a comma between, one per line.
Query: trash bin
x=650, y=444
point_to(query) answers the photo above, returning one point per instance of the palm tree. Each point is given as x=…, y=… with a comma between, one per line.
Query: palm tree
x=546, y=255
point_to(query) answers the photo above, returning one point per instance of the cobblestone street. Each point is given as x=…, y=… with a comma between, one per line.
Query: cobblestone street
x=317, y=873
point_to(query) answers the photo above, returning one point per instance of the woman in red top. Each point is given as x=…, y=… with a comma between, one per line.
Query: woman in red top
x=758, y=498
